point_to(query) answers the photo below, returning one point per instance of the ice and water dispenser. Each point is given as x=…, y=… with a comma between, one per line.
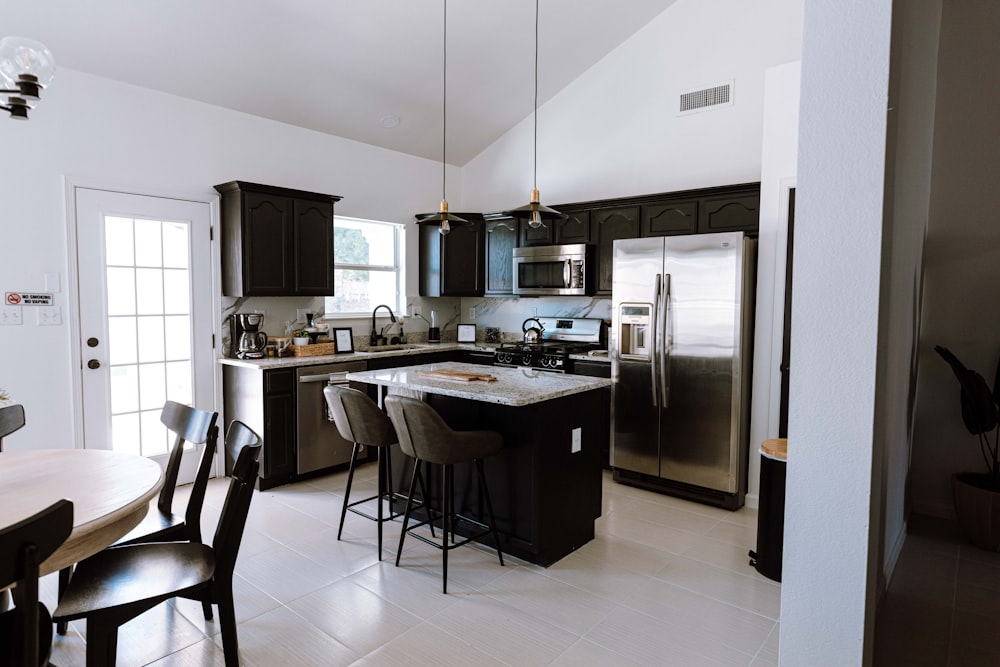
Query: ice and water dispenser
x=635, y=333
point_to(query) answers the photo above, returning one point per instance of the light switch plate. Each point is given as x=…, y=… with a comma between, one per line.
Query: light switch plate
x=577, y=440
x=10, y=315
x=49, y=316
x=472, y=313
x=52, y=282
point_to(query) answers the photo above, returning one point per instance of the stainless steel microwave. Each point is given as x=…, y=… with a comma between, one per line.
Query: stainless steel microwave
x=563, y=270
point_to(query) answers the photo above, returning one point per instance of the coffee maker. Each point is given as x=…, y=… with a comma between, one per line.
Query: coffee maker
x=248, y=340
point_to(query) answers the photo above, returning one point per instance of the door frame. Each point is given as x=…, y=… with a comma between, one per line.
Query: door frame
x=70, y=185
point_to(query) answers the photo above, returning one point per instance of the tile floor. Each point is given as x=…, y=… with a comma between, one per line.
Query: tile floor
x=665, y=582
x=943, y=602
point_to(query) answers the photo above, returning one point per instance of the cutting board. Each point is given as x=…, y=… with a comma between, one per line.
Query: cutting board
x=461, y=376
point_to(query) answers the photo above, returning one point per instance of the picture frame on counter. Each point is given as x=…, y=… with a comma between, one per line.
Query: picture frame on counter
x=466, y=333
x=344, y=340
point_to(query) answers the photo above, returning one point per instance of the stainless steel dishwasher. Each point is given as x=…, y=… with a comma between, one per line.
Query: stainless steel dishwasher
x=319, y=442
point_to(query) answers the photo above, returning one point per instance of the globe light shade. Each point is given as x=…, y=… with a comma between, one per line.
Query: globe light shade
x=26, y=64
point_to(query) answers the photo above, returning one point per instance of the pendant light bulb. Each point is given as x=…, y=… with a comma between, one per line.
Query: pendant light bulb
x=535, y=221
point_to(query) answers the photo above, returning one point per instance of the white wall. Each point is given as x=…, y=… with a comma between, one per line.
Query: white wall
x=962, y=276
x=100, y=131
x=614, y=132
x=827, y=601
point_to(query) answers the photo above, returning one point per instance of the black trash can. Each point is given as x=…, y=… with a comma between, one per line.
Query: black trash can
x=771, y=510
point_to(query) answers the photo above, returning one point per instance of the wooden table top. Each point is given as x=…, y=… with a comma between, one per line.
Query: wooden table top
x=110, y=493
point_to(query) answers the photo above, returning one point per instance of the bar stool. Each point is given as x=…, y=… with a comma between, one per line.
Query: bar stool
x=360, y=421
x=424, y=436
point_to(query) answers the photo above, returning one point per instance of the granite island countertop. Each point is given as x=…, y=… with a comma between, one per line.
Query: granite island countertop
x=514, y=386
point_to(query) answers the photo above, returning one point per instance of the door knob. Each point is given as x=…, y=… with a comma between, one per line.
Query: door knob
x=92, y=342
x=93, y=364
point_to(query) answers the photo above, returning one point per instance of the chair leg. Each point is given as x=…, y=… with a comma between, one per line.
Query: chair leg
x=489, y=507
x=388, y=478
x=424, y=496
x=102, y=642
x=347, y=492
x=206, y=609
x=378, y=497
x=406, y=513
x=227, y=623
x=64, y=576
x=448, y=500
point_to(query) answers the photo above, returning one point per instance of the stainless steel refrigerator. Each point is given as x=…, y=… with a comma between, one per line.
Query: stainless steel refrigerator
x=681, y=347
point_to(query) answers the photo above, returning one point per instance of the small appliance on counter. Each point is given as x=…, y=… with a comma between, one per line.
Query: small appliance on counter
x=434, y=332
x=248, y=341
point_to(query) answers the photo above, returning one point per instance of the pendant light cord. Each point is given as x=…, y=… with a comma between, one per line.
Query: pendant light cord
x=444, y=106
x=534, y=177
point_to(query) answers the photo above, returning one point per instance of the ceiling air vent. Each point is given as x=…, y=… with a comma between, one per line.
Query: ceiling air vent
x=720, y=95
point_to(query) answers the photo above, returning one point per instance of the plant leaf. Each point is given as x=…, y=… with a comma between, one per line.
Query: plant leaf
x=979, y=409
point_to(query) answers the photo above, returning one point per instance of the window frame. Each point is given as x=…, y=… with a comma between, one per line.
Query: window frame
x=399, y=268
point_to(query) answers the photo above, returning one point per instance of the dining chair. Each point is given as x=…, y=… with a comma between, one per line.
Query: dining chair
x=425, y=436
x=118, y=584
x=26, y=629
x=11, y=419
x=188, y=425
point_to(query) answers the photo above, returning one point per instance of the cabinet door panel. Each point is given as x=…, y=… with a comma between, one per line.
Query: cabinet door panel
x=279, y=435
x=730, y=213
x=609, y=225
x=679, y=217
x=462, y=272
x=532, y=236
x=313, y=237
x=574, y=229
x=266, y=251
x=501, y=238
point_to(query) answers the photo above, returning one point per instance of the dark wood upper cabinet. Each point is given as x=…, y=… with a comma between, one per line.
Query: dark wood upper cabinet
x=276, y=241
x=575, y=228
x=501, y=239
x=729, y=213
x=610, y=224
x=531, y=236
x=668, y=219
x=453, y=264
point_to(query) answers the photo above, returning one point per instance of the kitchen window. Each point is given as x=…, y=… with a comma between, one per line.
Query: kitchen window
x=368, y=267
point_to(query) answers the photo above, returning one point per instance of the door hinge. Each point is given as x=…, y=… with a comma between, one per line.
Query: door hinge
x=211, y=233
x=213, y=341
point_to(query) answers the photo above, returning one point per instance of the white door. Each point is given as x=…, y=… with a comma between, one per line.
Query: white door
x=146, y=328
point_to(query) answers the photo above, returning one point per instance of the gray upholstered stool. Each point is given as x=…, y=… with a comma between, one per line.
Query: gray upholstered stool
x=360, y=421
x=425, y=436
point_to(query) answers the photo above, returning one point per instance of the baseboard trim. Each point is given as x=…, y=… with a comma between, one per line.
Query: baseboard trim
x=751, y=501
x=939, y=510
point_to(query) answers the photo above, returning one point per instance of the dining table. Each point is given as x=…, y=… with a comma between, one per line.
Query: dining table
x=110, y=492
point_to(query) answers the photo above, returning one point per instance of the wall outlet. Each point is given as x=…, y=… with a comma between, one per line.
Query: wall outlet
x=300, y=314
x=472, y=313
x=10, y=315
x=49, y=316
x=577, y=440
x=415, y=311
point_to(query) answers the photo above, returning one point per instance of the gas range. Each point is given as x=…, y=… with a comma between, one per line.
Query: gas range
x=561, y=337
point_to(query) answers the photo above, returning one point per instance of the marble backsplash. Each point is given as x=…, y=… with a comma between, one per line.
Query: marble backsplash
x=505, y=313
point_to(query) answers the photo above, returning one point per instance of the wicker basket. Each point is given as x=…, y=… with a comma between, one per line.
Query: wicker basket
x=314, y=350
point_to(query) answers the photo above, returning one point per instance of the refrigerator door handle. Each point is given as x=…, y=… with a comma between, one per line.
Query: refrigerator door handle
x=663, y=306
x=655, y=333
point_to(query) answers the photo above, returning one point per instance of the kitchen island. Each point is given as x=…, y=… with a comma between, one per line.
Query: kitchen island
x=546, y=482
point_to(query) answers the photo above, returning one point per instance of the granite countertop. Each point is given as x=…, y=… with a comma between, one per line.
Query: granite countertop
x=360, y=355
x=514, y=386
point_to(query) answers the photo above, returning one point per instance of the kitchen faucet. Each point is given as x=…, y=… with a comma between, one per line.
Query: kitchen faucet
x=374, y=337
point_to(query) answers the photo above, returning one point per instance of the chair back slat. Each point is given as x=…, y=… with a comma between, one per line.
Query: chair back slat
x=192, y=516
x=188, y=425
x=243, y=445
x=11, y=419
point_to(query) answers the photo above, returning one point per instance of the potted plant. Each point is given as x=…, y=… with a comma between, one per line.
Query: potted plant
x=977, y=495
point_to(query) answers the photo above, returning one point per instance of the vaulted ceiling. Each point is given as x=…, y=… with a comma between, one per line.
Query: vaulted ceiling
x=342, y=67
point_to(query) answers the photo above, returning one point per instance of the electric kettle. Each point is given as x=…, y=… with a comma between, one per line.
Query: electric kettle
x=532, y=335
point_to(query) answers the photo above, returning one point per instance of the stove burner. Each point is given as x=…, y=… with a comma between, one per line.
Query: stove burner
x=545, y=355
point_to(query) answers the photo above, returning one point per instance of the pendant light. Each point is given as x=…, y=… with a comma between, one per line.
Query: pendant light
x=26, y=67
x=534, y=212
x=443, y=217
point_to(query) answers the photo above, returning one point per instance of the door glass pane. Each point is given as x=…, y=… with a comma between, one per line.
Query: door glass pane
x=118, y=241
x=148, y=247
x=121, y=291
x=121, y=340
x=149, y=291
x=149, y=328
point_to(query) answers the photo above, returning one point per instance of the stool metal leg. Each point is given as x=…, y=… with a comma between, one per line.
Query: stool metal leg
x=347, y=492
x=379, y=496
x=406, y=512
x=448, y=499
x=424, y=495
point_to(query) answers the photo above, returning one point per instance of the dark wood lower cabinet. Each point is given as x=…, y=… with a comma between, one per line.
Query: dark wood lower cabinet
x=265, y=401
x=545, y=484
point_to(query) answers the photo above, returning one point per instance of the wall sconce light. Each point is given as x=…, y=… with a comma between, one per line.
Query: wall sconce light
x=26, y=67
